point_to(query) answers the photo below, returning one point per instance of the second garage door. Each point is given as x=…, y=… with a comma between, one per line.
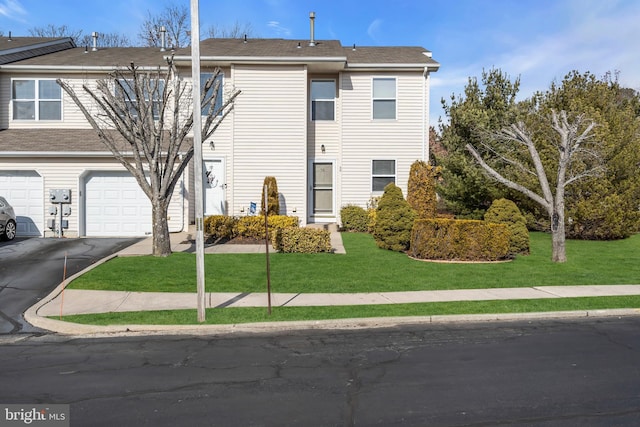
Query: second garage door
x=115, y=205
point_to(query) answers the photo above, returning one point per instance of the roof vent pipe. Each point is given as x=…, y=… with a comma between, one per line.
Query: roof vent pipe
x=94, y=36
x=312, y=18
x=9, y=40
x=163, y=38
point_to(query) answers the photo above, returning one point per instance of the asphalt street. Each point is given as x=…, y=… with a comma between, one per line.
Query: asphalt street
x=538, y=373
x=31, y=268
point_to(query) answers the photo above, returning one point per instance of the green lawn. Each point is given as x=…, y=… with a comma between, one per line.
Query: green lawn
x=365, y=268
x=220, y=316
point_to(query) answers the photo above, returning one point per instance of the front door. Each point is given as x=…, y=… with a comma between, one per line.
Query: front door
x=322, y=194
x=214, y=187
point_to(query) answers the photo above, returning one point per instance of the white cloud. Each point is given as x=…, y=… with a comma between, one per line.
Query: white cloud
x=12, y=9
x=279, y=29
x=374, y=28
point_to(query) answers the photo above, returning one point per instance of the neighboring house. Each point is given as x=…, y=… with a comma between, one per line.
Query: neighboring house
x=333, y=124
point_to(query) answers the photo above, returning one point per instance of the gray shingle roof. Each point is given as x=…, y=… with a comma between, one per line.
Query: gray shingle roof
x=57, y=141
x=105, y=57
x=19, y=48
x=237, y=50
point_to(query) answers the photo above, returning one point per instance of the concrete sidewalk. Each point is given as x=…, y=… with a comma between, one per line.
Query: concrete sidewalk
x=73, y=301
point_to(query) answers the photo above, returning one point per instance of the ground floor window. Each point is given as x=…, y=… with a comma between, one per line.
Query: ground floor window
x=383, y=172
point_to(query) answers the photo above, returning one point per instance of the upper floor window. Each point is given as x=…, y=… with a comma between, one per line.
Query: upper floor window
x=323, y=94
x=153, y=90
x=217, y=106
x=383, y=172
x=36, y=99
x=384, y=98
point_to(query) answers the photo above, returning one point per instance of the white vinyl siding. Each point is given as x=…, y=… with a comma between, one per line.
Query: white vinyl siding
x=269, y=136
x=364, y=140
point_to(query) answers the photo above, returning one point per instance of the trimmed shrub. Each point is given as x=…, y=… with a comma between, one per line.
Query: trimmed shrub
x=421, y=189
x=603, y=219
x=221, y=227
x=460, y=240
x=394, y=220
x=273, y=200
x=372, y=205
x=302, y=240
x=253, y=226
x=354, y=218
x=504, y=211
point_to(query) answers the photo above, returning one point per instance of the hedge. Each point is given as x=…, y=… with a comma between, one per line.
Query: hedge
x=460, y=240
x=302, y=240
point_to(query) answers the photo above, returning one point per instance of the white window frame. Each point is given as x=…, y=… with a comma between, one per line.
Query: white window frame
x=204, y=76
x=332, y=100
x=394, y=176
x=158, y=101
x=36, y=101
x=375, y=98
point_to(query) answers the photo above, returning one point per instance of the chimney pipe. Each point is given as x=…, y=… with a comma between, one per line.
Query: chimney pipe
x=9, y=37
x=312, y=18
x=94, y=36
x=163, y=38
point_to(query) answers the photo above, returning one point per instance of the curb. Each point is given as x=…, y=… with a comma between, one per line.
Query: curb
x=74, y=329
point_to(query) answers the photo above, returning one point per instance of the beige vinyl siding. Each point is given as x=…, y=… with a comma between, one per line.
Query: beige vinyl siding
x=5, y=100
x=365, y=139
x=269, y=136
x=59, y=173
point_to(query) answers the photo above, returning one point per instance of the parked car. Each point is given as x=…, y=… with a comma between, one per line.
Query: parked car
x=7, y=220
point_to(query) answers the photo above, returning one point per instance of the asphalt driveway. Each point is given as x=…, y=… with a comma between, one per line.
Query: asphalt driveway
x=31, y=268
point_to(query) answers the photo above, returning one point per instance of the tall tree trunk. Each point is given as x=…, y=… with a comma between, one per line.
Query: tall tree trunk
x=161, y=240
x=558, y=252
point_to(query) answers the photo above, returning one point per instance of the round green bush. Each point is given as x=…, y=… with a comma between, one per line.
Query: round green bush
x=354, y=218
x=394, y=220
x=504, y=211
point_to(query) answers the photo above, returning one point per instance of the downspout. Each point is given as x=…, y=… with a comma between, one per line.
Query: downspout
x=425, y=134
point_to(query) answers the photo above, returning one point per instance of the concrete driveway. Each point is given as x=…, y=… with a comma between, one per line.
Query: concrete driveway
x=31, y=268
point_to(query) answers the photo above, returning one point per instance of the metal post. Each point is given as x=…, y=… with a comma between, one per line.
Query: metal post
x=197, y=157
x=266, y=234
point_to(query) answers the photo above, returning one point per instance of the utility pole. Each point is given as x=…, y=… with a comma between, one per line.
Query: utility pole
x=197, y=156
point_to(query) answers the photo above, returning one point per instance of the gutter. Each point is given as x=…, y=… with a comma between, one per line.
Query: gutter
x=75, y=68
x=74, y=154
x=265, y=59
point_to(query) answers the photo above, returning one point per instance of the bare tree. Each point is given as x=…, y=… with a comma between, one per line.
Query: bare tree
x=575, y=160
x=55, y=32
x=105, y=40
x=144, y=117
x=175, y=19
x=236, y=31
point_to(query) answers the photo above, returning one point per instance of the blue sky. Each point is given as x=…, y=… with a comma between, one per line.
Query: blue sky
x=537, y=40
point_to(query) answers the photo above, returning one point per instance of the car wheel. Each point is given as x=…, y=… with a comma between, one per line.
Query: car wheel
x=10, y=230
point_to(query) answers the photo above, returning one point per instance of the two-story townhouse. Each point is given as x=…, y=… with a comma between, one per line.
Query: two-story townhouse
x=333, y=124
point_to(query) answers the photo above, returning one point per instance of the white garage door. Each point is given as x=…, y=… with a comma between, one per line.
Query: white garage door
x=115, y=205
x=24, y=191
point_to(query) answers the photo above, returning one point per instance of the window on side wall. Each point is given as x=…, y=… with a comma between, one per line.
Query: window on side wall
x=211, y=92
x=323, y=99
x=383, y=172
x=36, y=99
x=384, y=98
x=153, y=90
